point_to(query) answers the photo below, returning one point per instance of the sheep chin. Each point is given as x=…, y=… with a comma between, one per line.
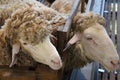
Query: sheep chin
x=108, y=66
x=55, y=67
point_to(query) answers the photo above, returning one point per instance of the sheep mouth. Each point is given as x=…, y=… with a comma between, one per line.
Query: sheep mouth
x=55, y=65
x=109, y=67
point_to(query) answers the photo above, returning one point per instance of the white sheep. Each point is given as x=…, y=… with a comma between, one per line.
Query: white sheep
x=91, y=38
x=28, y=29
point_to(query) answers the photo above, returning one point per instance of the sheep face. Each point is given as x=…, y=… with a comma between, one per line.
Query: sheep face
x=44, y=52
x=99, y=47
x=95, y=42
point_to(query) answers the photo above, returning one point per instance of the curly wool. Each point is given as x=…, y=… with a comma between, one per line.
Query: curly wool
x=64, y=6
x=53, y=18
x=31, y=24
x=3, y=49
x=7, y=7
x=81, y=20
x=5, y=55
x=26, y=24
x=85, y=20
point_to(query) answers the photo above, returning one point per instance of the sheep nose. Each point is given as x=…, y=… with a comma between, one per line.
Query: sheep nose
x=55, y=62
x=115, y=62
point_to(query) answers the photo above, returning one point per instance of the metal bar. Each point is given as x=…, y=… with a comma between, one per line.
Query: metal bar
x=118, y=76
x=92, y=5
x=113, y=22
x=42, y=1
x=98, y=6
x=108, y=16
x=83, y=6
x=105, y=75
x=112, y=76
x=88, y=6
x=102, y=7
x=94, y=72
x=118, y=28
x=71, y=16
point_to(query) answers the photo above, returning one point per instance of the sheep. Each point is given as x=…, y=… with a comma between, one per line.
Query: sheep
x=90, y=41
x=88, y=28
x=29, y=30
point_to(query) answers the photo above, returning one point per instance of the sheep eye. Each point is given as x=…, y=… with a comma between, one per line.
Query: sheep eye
x=25, y=43
x=89, y=38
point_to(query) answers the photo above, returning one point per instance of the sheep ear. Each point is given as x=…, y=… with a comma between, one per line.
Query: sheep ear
x=15, y=51
x=52, y=36
x=53, y=39
x=73, y=40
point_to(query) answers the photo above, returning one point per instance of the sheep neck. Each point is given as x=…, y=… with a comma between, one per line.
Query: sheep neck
x=77, y=57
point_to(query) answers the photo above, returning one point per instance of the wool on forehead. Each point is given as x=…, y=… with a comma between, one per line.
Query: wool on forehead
x=86, y=20
x=27, y=24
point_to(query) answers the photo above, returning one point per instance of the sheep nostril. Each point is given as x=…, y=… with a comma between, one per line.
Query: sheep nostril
x=115, y=62
x=55, y=62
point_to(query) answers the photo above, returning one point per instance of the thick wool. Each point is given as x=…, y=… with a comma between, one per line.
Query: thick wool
x=80, y=19
x=26, y=25
x=64, y=6
x=7, y=7
x=5, y=53
x=85, y=20
x=31, y=24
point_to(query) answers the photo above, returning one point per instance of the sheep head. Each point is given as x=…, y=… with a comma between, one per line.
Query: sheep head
x=95, y=42
x=27, y=30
